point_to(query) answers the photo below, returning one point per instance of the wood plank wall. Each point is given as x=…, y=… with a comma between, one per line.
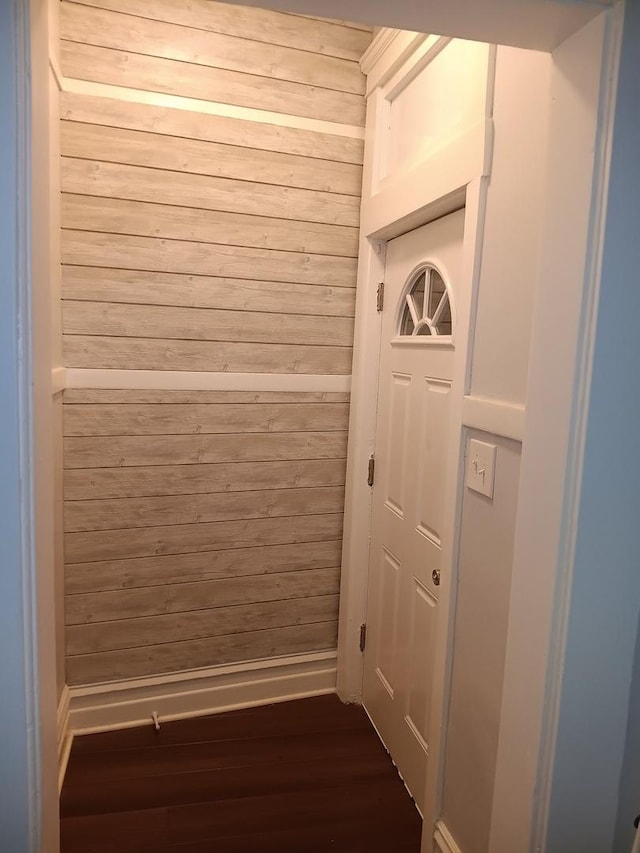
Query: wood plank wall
x=205, y=527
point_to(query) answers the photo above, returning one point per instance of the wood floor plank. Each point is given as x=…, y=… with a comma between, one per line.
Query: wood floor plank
x=304, y=716
x=309, y=775
x=377, y=836
x=246, y=752
x=144, y=830
x=128, y=794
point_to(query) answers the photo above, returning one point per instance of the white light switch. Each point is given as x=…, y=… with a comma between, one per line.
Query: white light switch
x=481, y=467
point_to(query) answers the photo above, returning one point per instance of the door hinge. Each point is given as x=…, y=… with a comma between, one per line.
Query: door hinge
x=380, y=296
x=371, y=470
x=363, y=636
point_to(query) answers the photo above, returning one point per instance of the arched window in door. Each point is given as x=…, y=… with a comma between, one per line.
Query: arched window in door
x=427, y=308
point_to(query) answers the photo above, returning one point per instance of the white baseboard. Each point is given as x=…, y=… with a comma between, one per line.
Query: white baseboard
x=65, y=735
x=125, y=704
x=445, y=842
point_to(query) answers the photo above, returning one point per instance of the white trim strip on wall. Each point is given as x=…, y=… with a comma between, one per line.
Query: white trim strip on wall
x=58, y=380
x=125, y=704
x=494, y=416
x=157, y=99
x=182, y=380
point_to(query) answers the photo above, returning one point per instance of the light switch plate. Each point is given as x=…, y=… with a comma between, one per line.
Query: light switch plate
x=481, y=467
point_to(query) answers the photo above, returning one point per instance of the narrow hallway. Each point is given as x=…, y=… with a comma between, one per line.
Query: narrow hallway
x=306, y=775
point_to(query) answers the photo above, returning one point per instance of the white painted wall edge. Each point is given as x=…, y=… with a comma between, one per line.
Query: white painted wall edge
x=494, y=416
x=125, y=704
x=557, y=403
x=444, y=840
x=182, y=380
x=176, y=102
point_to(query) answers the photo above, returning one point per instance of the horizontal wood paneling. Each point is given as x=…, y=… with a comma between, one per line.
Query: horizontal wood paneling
x=140, y=183
x=134, y=451
x=193, y=625
x=186, y=597
x=125, y=513
x=105, y=575
x=153, y=74
x=205, y=527
x=191, y=654
x=190, y=538
x=197, y=242
x=119, y=49
x=202, y=418
x=102, y=483
x=140, y=219
x=328, y=151
x=146, y=354
x=204, y=324
x=142, y=253
x=198, y=157
x=89, y=25
x=273, y=28
x=97, y=284
x=185, y=551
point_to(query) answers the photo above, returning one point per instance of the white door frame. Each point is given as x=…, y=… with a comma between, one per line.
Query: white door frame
x=542, y=535
x=437, y=186
x=454, y=175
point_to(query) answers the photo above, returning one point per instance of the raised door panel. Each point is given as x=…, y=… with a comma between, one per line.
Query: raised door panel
x=395, y=451
x=388, y=620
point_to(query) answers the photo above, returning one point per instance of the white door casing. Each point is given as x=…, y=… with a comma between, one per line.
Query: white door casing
x=412, y=472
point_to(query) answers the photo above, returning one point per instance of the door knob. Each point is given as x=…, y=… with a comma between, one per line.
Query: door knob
x=435, y=577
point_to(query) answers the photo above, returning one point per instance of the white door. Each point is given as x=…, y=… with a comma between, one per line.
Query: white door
x=416, y=370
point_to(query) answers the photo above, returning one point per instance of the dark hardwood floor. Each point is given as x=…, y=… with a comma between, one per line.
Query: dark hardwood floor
x=309, y=775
